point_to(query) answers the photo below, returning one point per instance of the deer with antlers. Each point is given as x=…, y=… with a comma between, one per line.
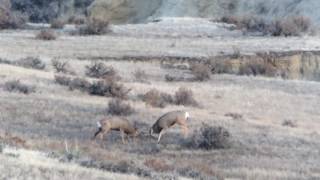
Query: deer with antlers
x=168, y=120
x=116, y=124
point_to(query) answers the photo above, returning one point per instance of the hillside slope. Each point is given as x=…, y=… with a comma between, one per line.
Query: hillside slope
x=142, y=10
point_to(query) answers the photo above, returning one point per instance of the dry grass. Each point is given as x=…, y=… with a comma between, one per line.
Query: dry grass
x=24, y=164
x=158, y=165
x=262, y=148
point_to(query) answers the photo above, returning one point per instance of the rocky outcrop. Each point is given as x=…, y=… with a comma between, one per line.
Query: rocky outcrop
x=303, y=65
x=288, y=65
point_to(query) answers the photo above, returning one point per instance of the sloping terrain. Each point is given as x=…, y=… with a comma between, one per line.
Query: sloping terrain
x=142, y=10
x=274, y=123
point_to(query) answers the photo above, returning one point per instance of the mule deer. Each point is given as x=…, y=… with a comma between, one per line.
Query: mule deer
x=168, y=120
x=117, y=124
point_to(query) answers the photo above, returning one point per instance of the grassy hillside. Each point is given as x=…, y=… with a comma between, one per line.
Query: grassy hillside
x=273, y=123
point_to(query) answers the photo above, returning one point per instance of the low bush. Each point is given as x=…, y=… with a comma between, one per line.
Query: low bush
x=79, y=84
x=73, y=84
x=118, y=90
x=47, y=35
x=157, y=99
x=220, y=67
x=248, y=23
x=98, y=88
x=10, y=19
x=257, y=68
x=95, y=27
x=17, y=86
x=289, y=123
x=140, y=75
x=235, y=116
x=120, y=167
x=57, y=24
x=171, y=78
x=290, y=26
x=109, y=89
x=32, y=62
x=62, y=80
x=200, y=71
x=100, y=70
x=210, y=137
x=185, y=97
x=119, y=108
x=62, y=66
x=77, y=20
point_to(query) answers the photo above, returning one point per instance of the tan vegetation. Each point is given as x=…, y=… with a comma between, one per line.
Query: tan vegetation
x=119, y=108
x=184, y=96
x=47, y=35
x=95, y=26
x=209, y=137
x=201, y=71
x=290, y=26
x=157, y=99
x=57, y=24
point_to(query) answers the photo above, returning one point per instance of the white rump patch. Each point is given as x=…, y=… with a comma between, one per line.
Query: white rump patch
x=187, y=115
x=99, y=124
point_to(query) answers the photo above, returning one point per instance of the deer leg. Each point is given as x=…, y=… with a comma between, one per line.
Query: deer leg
x=122, y=136
x=97, y=133
x=103, y=133
x=160, y=134
x=185, y=131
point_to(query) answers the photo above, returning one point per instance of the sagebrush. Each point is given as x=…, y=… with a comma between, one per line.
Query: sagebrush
x=17, y=86
x=211, y=137
x=120, y=108
x=47, y=35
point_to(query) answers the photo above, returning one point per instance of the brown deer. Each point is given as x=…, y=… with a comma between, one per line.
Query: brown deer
x=117, y=124
x=168, y=120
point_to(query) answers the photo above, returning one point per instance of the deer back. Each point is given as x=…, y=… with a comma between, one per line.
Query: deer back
x=169, y=119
